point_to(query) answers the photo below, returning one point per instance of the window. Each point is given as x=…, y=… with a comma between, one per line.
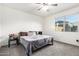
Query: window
x=59, y=24
x=67, y=23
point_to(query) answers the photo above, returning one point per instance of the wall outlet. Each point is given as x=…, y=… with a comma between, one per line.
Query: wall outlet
x=77, y=40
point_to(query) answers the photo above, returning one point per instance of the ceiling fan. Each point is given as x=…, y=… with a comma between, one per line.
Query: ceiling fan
x=45, y=6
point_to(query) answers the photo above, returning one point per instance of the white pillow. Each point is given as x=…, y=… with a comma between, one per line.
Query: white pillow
x=31, y=33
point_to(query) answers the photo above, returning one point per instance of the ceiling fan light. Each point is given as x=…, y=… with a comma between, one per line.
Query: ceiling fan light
x=45, y=8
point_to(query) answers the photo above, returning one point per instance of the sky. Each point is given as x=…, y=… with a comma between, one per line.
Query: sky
x=71, y=18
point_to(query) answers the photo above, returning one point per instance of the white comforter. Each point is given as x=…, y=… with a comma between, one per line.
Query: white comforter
x=35, y=41
x=35, y=37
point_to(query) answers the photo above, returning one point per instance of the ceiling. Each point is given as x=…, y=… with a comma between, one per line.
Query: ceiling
x=33, y=8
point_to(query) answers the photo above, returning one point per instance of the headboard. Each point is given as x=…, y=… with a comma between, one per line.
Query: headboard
x=30, y=33
x=23, y=33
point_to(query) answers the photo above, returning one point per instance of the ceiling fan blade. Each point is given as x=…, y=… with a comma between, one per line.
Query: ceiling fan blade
x=53, y=4
x=47, y=4
x=37, y=3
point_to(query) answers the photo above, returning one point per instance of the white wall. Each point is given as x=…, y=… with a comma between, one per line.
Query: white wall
x=0, y=21
x=14, y=21
x=66, y=37
x=0, y=18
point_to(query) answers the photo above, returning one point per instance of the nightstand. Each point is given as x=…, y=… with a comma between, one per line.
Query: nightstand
x=13, y=38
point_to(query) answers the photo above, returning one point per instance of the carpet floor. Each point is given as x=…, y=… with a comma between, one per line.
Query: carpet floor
x=58, y=49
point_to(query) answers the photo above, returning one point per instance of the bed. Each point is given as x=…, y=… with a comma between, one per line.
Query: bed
x=34, y=42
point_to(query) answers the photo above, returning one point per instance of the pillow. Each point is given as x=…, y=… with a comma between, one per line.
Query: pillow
x=30, y=33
